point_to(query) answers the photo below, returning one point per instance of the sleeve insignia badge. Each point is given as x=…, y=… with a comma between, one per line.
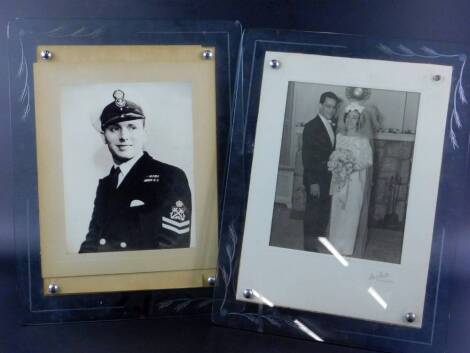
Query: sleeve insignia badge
x=177, y=211
x=177, y=222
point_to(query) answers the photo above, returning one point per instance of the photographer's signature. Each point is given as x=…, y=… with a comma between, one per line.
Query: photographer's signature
x=381, y=277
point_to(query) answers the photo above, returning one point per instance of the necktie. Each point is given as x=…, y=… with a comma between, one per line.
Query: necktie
x=114, y=175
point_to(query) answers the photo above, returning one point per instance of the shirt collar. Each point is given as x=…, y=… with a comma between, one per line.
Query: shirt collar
x=126, y=166
x=325, y=120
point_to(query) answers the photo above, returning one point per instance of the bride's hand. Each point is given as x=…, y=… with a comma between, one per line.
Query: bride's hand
x=315, y=191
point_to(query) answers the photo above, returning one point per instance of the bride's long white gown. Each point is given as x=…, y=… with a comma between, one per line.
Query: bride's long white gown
x=348, y=201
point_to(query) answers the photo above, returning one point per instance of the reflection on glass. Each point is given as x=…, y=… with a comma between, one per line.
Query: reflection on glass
x=377, y=297
x=262, y=298
x=308, y=331
x=333, y=251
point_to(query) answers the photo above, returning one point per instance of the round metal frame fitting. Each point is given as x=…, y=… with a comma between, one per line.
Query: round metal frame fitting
x=410, y=317
x=46, y=54
x=275, y=64
x=53, y=288
x=248, y=293
x=207, y=54
x=211, y=280
x=436, y=78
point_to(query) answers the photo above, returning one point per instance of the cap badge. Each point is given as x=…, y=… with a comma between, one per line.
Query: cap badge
x=119, y=100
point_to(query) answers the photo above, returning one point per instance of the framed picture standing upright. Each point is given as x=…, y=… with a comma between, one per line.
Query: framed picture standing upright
x=120, y=135
x=343, y=194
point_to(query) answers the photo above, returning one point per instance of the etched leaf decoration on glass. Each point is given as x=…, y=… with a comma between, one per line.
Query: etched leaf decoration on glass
x=165, y=304
x=456, y=116
x=453, y=138
x=386, y=49
x=182, y=305
x=406, y=50
x=233, y=234
x=272, y=321
x=461, y=93
x=204, y=303
x=429, y=51
x=251, y=318
x=228, y=251
x=224, y=275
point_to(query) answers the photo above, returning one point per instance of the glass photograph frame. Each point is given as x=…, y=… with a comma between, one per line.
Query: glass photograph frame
x=42, y=301
x=263, y=314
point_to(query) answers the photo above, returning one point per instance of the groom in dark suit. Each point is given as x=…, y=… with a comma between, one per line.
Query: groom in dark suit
x=318, y=141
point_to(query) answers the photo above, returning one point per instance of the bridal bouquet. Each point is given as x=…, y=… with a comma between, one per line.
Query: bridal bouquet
x=341, y=164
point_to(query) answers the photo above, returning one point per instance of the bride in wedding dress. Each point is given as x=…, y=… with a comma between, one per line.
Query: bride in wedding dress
x=350, y=164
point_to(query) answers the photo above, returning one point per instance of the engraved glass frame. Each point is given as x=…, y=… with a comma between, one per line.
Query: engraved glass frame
x=448, y=220
x=25, y=37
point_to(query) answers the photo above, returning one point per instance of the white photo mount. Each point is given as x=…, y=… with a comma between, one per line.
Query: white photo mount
x=319, y=282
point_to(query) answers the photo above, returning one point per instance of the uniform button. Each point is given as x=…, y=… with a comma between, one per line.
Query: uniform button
x=102, y=241
x=123, y=245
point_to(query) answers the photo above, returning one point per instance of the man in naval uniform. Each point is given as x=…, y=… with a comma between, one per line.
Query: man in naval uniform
x=143, y=203
x=318, y=141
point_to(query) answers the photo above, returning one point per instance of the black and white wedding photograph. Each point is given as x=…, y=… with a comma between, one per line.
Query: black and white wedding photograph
x=344, y=170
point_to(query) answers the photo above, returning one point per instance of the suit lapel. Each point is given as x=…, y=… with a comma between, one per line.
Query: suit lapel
x=333, y=127
x=324, y=131
x=131, y=177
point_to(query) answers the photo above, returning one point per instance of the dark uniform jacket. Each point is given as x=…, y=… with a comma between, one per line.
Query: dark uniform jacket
x=151, y=209
x=316, y=151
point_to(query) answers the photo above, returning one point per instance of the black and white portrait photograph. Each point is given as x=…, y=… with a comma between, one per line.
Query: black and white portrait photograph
x=133, y=169
x=344, y=170
x=127, y=167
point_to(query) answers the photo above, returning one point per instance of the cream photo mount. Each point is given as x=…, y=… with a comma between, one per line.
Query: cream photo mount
x=185, y=68
x=320, y=282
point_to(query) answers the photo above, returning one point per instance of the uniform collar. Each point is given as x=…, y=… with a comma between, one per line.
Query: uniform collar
x=126, y=166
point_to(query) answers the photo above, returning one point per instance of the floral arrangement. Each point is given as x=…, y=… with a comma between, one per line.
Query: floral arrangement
x=341, y=164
